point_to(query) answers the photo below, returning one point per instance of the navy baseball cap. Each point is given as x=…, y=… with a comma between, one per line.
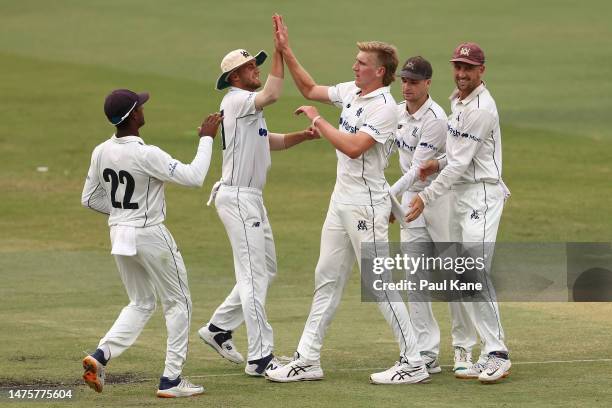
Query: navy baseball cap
x=121, y=102
x=417, y=68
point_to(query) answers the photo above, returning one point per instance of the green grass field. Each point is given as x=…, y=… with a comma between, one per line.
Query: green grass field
x=548, y=68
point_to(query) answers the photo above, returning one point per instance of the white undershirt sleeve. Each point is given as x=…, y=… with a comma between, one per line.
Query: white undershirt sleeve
x=270, y=92
x=277, y=141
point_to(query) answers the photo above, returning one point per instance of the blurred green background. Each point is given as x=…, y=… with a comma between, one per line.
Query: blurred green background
x=548, y=67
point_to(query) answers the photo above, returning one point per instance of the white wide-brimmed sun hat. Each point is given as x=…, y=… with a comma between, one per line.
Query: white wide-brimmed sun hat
x=234, y=60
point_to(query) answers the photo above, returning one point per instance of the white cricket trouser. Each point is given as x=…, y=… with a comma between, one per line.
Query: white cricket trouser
x=345, y=228
x=420, y=240
x=475, y=214
x=156, y=271
x=244, y=216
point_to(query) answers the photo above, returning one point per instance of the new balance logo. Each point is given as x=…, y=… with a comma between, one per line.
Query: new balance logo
x=359, y=111
x=361, y=225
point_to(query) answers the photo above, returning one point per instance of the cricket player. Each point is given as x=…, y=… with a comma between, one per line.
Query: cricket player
x=126, y=181
x=421, y=136
x=239, y=202
x=360, y=204
x=472, y=170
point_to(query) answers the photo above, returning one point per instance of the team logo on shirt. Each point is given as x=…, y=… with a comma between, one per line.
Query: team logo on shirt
x=475, y=215
x=361, y=225
x=172, y=167
x=359, y=111
x=256, y=224
x=263, y=132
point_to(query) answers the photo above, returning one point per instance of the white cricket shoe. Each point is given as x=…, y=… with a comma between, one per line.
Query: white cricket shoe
x=296, y=370
x=184, y=388
x=94, y=373
x=260, y=368
x=474, y=370
x=431, y=363
x=402, y=373
x=222, y=343
x=495, y=369
x=463, y=359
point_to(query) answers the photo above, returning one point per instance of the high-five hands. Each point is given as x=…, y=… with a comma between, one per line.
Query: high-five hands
x=281, y=35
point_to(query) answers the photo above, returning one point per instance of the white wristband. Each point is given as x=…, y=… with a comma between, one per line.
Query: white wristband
x=314, y=120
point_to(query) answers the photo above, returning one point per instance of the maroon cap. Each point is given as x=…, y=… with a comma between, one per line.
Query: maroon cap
x=121, y=102
x=470, y=53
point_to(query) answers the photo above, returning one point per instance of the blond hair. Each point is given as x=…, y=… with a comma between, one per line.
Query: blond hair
x=386, y=55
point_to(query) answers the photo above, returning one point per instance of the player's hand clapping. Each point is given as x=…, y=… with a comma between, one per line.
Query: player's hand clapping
x=210, y=125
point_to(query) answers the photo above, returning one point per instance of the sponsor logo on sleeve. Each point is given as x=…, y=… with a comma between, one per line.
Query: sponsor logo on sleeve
x=456, y=134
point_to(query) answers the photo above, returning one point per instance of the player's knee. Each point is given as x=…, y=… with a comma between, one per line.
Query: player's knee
x=146, y=306
x=181, y=305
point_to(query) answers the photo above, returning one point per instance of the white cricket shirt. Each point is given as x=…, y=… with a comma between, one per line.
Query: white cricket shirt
x=420, y=136
x=126, y=179
x=473, y=144
x=361, y=181
x=246, y=148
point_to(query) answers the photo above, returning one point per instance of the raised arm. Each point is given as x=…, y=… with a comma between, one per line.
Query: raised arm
x=274, y=83
x=304, y=82
x=164, y=167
